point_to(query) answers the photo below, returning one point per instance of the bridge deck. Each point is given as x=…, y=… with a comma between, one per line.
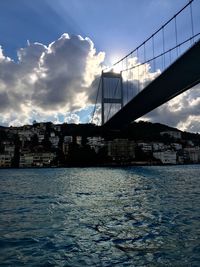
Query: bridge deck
x=183, y=74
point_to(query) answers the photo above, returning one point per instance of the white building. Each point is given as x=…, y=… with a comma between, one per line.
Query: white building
x=146, y=147
x=96, y=142
x=180, y=158
x=26, y=160
x=40, y=136
x=158, y=146
x=9, y=149
x=40, y=159
x=176, y=146
x=193, y=154
x=166, y=157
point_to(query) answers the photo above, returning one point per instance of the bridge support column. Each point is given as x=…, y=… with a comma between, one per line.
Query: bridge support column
x=111, y=91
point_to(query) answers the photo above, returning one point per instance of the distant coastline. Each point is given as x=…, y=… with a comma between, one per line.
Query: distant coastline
x=46, y=144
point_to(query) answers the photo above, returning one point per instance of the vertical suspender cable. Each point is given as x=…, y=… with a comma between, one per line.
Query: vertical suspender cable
x=126, y=80
x=154, y=65
x=138, y=83
x=123, y=82
x=171, y=19
x=176, y=36
x=132, y=78
x=110, y=107
x=145, y=70
x=170, y=56
x=163, y=40
x=192, y=23
x=102, y=100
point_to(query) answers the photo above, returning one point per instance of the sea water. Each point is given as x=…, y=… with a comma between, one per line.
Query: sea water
x=136, y=216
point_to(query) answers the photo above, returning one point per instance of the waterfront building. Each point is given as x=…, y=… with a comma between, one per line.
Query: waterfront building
x=166, y=157
x=96, y=142
x=44, y=137
x=180, y=157
x=158, y=146
x=193, y=154
x=67, y=140
x=5, y=160
x=121, y=149
x=146, y=147
x=176, y=146
x=41, y=159
x=26, y=160
x=9, y=149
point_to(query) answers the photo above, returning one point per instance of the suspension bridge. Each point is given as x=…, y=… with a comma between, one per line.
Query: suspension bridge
x=165, y=65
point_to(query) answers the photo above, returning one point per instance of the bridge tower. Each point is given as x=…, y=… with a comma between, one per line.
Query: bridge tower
x=111, y=92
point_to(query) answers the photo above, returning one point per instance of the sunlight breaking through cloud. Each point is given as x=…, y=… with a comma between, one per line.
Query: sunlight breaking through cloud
x=55, y=82
x=48, y=80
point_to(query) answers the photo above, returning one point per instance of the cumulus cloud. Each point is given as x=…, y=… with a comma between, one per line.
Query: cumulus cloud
x=182, y=112
x=72, y=118
x=55, y=82
x=48, y=80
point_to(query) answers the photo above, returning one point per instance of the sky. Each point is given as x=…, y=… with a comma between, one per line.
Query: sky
x=53, y=51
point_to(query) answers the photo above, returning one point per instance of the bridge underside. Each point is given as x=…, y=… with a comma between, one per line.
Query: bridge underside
x=183, y=74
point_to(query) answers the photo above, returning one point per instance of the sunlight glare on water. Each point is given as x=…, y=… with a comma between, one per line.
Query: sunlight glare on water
x=137, y=216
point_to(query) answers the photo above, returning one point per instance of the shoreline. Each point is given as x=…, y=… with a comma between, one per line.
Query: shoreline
x=117, y=165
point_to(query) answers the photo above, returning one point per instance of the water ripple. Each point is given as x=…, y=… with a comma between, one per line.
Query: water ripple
x=140, y=216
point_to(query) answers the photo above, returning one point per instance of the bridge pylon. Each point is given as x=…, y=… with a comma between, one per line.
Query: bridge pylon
x=111, y=92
